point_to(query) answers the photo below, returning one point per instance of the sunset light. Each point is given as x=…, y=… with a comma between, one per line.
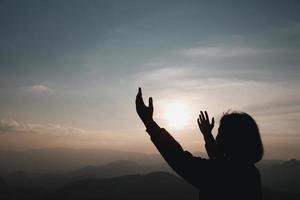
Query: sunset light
x=176, y=115
x=149, y=99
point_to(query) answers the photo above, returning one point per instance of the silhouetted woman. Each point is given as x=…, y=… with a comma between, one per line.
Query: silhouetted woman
x=229, y=173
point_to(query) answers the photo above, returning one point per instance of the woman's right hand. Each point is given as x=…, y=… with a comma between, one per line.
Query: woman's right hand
x=144, y=112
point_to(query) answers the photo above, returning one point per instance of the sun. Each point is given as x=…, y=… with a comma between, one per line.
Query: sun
x=176, y=115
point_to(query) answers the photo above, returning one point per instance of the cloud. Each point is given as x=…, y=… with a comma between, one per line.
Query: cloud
x=219, y=52
x=263, y=81
x=234, y=62
x=8, y=126
x=283, y=106
x=19, y=135
x=241, y=57
x=217, y=67
x=165, y=73
x=189, y=78
x=39, y=89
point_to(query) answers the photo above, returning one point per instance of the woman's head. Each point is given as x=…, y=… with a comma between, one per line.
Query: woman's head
x=239, y=138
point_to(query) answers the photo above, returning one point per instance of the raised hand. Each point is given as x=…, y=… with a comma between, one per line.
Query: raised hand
x=204, y=125
x=144, y=112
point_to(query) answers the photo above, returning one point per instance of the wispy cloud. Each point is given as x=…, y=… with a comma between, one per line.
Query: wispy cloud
x=39, y=88
x=241, y=58
x=188, y=77
x=261, y=81
x=219, y=52
x=283, y=106
x=8, y=126
x=19, y=135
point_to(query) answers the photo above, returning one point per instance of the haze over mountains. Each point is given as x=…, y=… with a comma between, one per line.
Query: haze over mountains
x=66, y=159
x=93, y=174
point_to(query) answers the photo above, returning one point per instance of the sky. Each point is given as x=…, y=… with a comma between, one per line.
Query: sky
x=69, y=71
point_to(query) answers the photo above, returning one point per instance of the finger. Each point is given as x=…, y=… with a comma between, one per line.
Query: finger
x=206, y=115
x=150, y=103
x=139, y=98
x=200, y=119
x=212, y=122
x=139, y=92
x=202, y=115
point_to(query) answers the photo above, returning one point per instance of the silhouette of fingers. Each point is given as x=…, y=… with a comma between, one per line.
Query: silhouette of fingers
x=200, y=119
x=212, y=122
x=140, y=91
x=206, y=115
x=203, y=118
x=139, y=98
x=151, y=103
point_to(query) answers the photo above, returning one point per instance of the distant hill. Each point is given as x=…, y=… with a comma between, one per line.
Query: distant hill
x=39, y=171
x=157, y=185
x=279, y=175
x=56, y=180
x=266, y=164
x=119, y=168
x=54, y=160
x=283, y=176
x=65, y=159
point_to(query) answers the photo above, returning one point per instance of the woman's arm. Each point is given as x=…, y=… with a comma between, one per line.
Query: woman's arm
x=181, y=161
x=206, y=129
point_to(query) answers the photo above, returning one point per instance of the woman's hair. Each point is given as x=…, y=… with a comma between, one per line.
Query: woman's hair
x=239, y=138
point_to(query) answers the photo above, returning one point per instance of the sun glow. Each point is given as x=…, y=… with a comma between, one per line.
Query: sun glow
x=176, y=115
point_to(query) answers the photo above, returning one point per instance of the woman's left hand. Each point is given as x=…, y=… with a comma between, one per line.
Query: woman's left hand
x=204, y=125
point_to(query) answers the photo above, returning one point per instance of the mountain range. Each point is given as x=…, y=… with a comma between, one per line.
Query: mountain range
x=138, y=176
